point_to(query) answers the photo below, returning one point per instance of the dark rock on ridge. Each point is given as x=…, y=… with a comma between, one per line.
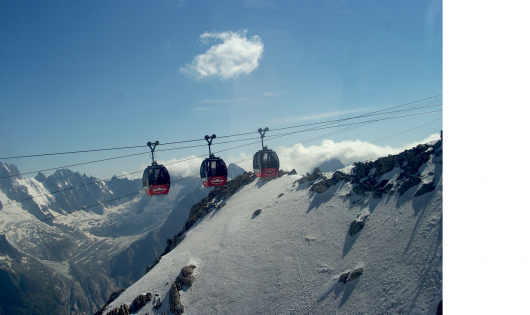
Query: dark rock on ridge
x=357, y=225
x=425, y=188
x=316, y=174
x=120, y=310
x=175, y=306
x=409, y=161
x=350, y=276
x=40, y=177
x=141, y=301
x=184, y=278
x=408, y=184
x=323, y=185
x=201, y=208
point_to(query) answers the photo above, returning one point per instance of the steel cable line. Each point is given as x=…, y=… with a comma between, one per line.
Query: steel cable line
x=134, y=154
x=360, y=124
x=137, y=192
x=368, y=142
x=387, y=115
x=274, y=137
x=86, y=207
x=104, y=180
x=185, y=141
x=364, y=115
x=119, y=157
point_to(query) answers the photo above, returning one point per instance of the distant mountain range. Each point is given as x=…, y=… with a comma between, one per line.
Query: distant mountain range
x=70, y=243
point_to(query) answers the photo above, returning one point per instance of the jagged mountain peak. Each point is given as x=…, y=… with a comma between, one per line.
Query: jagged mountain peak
x=234, y=171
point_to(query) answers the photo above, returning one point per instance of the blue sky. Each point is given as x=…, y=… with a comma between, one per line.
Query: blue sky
x=90, y=75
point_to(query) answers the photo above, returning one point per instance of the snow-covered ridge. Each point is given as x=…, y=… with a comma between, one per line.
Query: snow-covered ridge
x=289, y=258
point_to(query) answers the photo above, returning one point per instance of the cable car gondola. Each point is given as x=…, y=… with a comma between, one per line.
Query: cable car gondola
x=266, y=162
x=156, y=179
x=213, y=169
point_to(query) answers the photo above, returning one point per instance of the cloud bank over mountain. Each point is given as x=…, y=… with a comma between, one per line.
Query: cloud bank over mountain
x=302, y=158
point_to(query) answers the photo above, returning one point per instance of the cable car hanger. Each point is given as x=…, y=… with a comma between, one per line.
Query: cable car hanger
x=262, y=133
x=207, y=138
x=152, y=146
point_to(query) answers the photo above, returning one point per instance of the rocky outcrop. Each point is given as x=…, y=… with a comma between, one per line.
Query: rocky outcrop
x=141, y=301
x=325, y=184
x=357, y=225
x=185, y=278
x=311, y=177
x=382, y=188
x=121, y=310
x=219, y=193
x=175, y=306
x=425, y=188
x=158, y=302
x=350, y=276
x=364, y=176
x=408, y=184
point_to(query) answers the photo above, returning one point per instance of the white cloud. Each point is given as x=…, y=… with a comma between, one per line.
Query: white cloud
x=305, y=159
x=234, y=56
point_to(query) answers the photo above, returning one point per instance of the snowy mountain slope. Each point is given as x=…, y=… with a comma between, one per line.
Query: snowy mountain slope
x=76, y=247
x=289, y=258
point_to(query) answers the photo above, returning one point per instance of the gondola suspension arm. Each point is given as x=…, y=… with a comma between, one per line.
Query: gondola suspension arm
x=152, y=146
x=209, y=140
x=262, y=133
